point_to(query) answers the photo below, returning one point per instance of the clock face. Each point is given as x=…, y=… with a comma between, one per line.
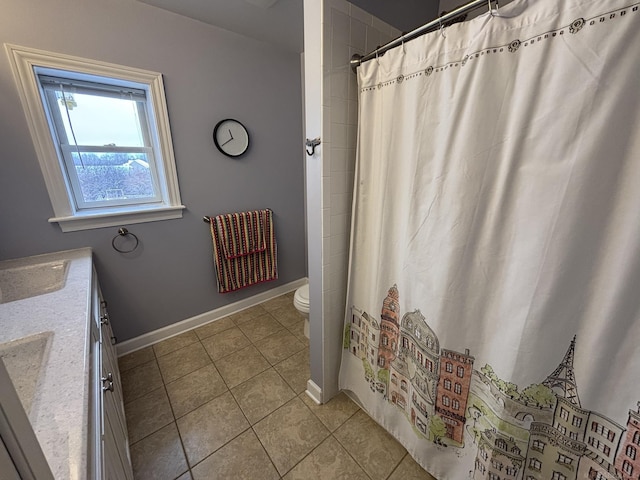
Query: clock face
x=231, y=137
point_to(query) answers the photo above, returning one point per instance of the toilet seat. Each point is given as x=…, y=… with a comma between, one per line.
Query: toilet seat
x=301, y=299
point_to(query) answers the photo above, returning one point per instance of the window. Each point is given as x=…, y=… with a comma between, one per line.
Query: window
x=446, y=401
x=627, y=467
x=460, y=372
x=511, y=471
x=429, y=365
x=631, y=452
x=573, y=436
x=602, y=430
x=558, y=476
x=636, y=438
x=562, y=429
x=598, y=445
x=496, y=464
x=501, y=444
x=381, y=361
x=458, y=389
x=385, y=340
x=394, y=379
x=449, y=367
x=447, y=384
x=564, y=414
x=595, y=475
x=564, y=459
x=493, y=476
x=480, y=467
x=102, y=137
x=538, y=445
x=403, y=385
x=484, y=454
x=577, y=421
x=535, y=464
x=456, y=404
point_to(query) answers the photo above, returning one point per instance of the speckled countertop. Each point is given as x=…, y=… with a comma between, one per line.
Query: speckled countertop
x=59, y=410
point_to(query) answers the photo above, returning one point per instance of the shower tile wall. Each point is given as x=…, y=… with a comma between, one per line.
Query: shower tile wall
x=346, y=30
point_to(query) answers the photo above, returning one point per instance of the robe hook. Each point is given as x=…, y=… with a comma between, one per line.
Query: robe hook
x=313, y=144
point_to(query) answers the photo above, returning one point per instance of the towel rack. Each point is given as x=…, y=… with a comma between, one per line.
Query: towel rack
x=207, y=219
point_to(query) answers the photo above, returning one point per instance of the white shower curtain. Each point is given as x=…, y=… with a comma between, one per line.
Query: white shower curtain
x=493, y=315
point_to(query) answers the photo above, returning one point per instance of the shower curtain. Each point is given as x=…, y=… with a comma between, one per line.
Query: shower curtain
x=493, y=306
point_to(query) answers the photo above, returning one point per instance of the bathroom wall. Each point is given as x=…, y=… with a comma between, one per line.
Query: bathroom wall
x=346, y=29
x=405, y=15
x=209, y=74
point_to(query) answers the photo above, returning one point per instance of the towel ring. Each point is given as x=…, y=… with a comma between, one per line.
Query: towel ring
x=123, y=232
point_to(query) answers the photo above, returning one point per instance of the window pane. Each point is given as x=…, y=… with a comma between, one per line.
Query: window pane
x=112, y=176
x=100, y=120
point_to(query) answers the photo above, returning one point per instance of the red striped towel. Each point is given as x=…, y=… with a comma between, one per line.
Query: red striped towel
x=244, y=249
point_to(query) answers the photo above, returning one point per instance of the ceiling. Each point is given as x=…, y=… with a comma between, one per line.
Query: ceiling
x=280, y=22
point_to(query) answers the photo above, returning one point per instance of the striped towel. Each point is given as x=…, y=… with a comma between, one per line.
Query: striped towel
x=244, y=249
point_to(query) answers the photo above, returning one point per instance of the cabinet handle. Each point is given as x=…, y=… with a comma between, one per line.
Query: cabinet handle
x=104, y=319
x=108, y=387
x=108, y=378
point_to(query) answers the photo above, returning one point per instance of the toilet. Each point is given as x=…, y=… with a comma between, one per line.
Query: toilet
x=301, y=302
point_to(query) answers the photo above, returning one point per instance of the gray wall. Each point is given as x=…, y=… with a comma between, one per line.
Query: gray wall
x=405, y=15
x=209, y=74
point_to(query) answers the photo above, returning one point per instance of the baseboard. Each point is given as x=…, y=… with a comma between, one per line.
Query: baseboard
x=174, y=329
x=314, y=392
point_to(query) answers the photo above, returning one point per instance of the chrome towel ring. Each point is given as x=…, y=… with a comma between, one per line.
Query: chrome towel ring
x=123, y=232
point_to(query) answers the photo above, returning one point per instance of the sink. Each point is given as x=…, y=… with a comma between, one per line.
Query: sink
x=18, y=283
x=24, y=359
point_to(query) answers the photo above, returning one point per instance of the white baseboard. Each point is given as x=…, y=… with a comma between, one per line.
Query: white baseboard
x=314, y=392
x=174, y=329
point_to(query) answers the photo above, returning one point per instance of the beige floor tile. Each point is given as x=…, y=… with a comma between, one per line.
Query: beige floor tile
x=410, y=470
x=279, y=346
x=297, y=329
x=248, y=314
x=289, y=434
x=214, y=327
x=260, y=327
x=140, y=380
x=175, y=343
x=287, y=316
x=159, y=456
x=185, y=476
x=262, y=394
x=375, y=450
x=295, y=370
x=195, y=389
x=241, y=366
x=243, y=458
x=134, y=359
x=210, y=426
x=328, y=461
x=278, y=302
x=148, y=414
x=225, y=343
x=180, y=362
x=333, y=413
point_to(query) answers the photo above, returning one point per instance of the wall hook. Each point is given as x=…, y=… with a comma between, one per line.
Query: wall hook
x=313, y=144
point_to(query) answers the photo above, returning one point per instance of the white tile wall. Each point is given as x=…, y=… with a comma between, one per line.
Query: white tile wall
x=346, y=29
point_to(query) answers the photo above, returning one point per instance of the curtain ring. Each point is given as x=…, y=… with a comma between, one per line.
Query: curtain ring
x=441, y=28
x=123, y=232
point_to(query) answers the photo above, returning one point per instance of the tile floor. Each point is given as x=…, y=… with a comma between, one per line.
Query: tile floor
x=227, y=401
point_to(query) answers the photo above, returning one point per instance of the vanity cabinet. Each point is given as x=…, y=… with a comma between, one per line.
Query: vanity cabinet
x=108, y=430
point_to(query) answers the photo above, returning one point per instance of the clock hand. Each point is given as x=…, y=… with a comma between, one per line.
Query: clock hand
x=231, y=134
x=223, y=144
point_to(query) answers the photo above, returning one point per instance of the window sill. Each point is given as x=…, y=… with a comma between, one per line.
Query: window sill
x=117, y=217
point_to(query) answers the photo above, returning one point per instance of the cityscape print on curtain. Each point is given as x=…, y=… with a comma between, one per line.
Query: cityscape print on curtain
x=540, y=431
x=492, y=315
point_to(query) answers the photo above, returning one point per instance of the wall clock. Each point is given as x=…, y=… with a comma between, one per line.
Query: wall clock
x=231, y=137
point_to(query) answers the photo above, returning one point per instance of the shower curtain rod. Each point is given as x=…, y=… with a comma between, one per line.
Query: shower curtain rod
x=357, y=59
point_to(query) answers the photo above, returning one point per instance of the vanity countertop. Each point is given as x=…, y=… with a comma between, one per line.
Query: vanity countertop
x=59, y=408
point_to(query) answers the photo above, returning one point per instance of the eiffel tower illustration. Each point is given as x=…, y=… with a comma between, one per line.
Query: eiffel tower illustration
x=563, y=380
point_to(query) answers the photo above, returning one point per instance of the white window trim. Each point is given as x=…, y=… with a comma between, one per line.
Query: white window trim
x=23, y=60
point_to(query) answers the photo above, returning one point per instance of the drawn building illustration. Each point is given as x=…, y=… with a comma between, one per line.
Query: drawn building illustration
x=498, y=457
x=364, y=337
x=579, y=440
x=453, y=391
x=628, y=459
x=389, y=328
x=414, y=372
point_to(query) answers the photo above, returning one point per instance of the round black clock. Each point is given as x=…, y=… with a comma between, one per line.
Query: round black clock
x=231, y=137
